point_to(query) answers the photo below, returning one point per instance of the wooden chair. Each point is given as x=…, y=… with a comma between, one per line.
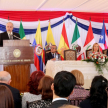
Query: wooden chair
x=70, y=54
x=39, y=104
x=76, y=101
x=88, y=52
x=105, y=52
x=47, y=51
x=27, y=103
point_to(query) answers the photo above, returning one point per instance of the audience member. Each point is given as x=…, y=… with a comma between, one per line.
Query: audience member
x=46, y=92
x=5, y=79
x=79, y=91
x=6, y=98
x=98, y=95
x=8, y=34
x=33, y=93
x=62, y=87
x=51, y=55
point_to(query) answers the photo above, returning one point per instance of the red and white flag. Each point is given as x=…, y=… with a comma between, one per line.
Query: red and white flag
x=89, y=39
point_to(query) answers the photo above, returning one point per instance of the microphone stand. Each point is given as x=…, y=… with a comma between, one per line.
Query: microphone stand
x=30, y=43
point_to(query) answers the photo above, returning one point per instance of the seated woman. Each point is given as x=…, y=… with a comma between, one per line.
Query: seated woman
x=46, y=92
x=33, y=93
x=78, y=91
x=98, y=94
x=6, y=98
x=95, y=48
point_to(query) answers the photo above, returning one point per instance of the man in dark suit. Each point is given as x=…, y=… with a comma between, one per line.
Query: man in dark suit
x=52, y=54
x=62, y=87
x=5, y=79
x=8, y=35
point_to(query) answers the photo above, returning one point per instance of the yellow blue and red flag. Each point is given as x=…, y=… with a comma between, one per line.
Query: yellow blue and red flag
x=63, y=44
x=38, y=53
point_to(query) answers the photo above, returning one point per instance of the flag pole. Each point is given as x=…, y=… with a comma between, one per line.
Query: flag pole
x=76, y=20
x=8, y=18
x=90, y=18
x=20, y=19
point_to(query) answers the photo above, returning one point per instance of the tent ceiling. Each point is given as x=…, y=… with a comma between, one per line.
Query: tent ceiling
x=55, y=5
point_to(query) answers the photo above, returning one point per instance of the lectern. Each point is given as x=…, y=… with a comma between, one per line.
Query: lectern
x=16, y=56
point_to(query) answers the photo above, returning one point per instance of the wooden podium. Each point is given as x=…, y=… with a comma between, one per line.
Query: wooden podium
x=16, y=56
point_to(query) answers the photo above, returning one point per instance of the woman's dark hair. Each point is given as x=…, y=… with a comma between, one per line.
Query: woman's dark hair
x=6, y=98
x=98, y=95
x=34, y=81
x=45, y=87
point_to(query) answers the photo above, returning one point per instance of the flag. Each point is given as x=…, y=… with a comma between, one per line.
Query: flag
x=89, y=39
x=63, y=44
x=21, y=31
x=38, y=54
x=103, y=38
x=76, y=43
x=49, y=38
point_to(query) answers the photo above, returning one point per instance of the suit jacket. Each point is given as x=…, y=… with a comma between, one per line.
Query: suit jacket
x=4, y=36
x=16, y=95
x=48, y=56
x=58, y=103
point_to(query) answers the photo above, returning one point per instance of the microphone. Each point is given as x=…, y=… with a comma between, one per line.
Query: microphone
x=21, y=39
x=17, y=37
x=30, y=43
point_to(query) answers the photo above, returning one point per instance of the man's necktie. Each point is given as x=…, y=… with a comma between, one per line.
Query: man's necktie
x=11, y=37
x=53, y=55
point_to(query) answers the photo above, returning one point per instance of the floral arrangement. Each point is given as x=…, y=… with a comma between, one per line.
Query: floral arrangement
x=100, y=60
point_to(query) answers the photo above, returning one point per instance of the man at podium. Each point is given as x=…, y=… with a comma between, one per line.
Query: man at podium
x=9, y=34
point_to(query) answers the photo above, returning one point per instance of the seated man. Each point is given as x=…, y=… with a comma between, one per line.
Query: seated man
x=8, y=34
x=62, y=87
x=51, y=55
x=5, y=79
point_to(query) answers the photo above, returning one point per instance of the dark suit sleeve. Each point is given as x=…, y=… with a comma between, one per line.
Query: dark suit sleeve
x=17, y=100
x=18, y=35
x=1, y=41
x=48, y=56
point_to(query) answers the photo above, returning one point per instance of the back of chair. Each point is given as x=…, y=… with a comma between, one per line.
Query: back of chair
x=105, y=52
x=88, y=52
x=70, y=54
x=76, y=101
x=47, y=51
x=27, y=103
x=39, y=103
